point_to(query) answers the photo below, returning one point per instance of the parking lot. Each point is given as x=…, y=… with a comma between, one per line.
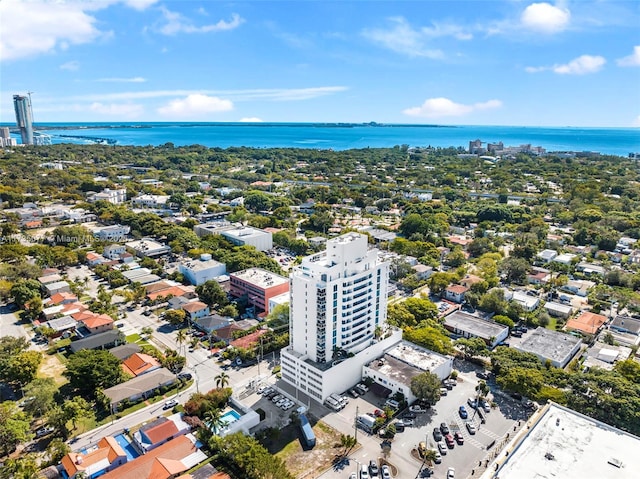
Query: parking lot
x=504, y=419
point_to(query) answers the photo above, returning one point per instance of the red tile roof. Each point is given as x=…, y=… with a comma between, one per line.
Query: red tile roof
x=587, y=322
x=248, y=340
x=194, y=307
x=97, y=320
x=457, y=289
x=139, y=363
x=60, y=297
x=143, y=467
x=161, y=432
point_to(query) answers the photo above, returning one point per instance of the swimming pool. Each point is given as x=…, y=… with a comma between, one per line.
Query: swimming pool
x=229, y=417
x=129, y=450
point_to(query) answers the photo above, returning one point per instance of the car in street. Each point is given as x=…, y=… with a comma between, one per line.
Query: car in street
x=44, y=431
x=470, y=427
x=486, y=407
x=451, y=473
x=473, y=403
x=459, y=438
x=170, y=404
x=444, y=429
x=463, y=412
x=442, y=446
x=437, y=435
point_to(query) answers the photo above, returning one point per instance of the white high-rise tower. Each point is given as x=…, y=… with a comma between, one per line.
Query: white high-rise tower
x=338, y=300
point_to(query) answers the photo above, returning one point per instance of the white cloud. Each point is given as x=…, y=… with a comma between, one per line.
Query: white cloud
x=251, y=119
x=545, y=18
x=123, y=80
x=447, y=30
x=195, y=105
x=32, y=28
x=443, y=107
x=120, y=110
x=402, y=38
x=176, y=23
x=35, y=27
x=270, y=94
x=536, y=69
x=581, y=66
x=71, y=66
x=632, y=60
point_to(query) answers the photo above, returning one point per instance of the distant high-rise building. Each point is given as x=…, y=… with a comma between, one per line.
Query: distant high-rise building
x=4, y=133
x=24, y=118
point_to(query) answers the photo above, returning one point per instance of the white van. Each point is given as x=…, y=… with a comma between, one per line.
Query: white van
x=392, y=404
x=332, y=404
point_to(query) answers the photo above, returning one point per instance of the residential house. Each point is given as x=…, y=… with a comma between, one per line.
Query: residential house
x=422, y=271
x=587, y=323
x=114, y=251
x=139, y=363
x=590, y=269
x=155, y=433
x=469, y=280
x=195, y=310
x=62, y=298
x=62, y=325
x=455, y=293
x=140, y=387
x=164, y=462
x=106, y=340
x=57, y=287
x=546, y=255
x=580, y=287
x=107, y=456
x=125, y=351
x=558, y=309
x=94, y=259
x=528, y=302
x=565, y=259
x=211, y=324
x=97, y=323
x=112, y=233
x=538, y=276
x=150, y=201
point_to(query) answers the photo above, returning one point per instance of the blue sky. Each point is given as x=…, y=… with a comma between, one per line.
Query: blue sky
x=475, y=62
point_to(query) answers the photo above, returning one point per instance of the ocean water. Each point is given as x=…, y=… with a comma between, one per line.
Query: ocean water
x=614, y=141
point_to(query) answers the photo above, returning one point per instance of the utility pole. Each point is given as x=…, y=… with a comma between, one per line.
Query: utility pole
x=355, y=425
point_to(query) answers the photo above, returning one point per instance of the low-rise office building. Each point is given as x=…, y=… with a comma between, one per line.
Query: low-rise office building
x=200, y=271
x=246, y=235
x=553, y=346
x=148, y=247
x=112, y=233
x=469, y=326
x=398, y=365
x=258, y=285
x=562, y=443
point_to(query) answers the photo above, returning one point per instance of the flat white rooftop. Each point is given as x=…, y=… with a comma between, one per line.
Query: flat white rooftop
x=260, y=277
x=566, y=444
x=421, y=358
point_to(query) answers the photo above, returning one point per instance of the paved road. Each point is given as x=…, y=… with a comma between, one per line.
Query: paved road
x=9, y=324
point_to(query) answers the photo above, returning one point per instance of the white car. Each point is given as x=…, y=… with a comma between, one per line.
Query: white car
x=364, y=472
x=438, y=458
x=442, y=446
x=451, y=473
x=470, y=427
x=386, y=472
x=417, y=409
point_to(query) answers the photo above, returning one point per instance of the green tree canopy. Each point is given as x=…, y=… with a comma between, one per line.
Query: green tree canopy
x=14, y=427
x=90, y=370
x=426, y=387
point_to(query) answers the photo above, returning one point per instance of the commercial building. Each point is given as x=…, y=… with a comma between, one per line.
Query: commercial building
x=246, y=235
x=148, y=247
x=258, y=286
x=562, y=443
x=112, y=233
x=469, y=326
x=116, y=197
x=554, y=346
x=395, y=369
x=150, y=201
x=24, y=118
x=200, y=271
x=338, y=301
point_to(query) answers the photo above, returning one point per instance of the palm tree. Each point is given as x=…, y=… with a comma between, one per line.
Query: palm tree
x=194, y=343
x=213, y=420
x=222, y=380
x=348, y=442
x=181, y=337
x=430, y=456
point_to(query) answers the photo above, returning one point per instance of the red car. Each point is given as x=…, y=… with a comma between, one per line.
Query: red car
x=459, y=438
x=379, y=413
x=448, y=438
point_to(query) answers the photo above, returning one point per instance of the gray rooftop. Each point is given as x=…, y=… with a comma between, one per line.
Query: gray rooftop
x=96, y=341
x=626, y=324
x=125, y=351
x=139, y=385
x=482, y=328
x=399, y=371
x=549, y=344
x=579, y=447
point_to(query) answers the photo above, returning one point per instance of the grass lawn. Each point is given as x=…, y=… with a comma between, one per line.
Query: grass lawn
x=552, y=323
x=133, y=338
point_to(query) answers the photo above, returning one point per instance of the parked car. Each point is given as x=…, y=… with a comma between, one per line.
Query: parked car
x=443, y=391
x=385, y=471
x=459, y=438
x=486, y=407
x=185, y=376
x=444, y=429
x=437, y=435
x=417, y=409
x=44, y=431
x=407, y=422
x=517, y=396
x=463, y=412
x=170, y=404
x=438, y=458
x=373, y=468
x=364, y=472
x=472, y=402
x=448, y=438
x=470, y=427
x=442, y=446
x=353, y=393
x=483, y=375
x=451, y=473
